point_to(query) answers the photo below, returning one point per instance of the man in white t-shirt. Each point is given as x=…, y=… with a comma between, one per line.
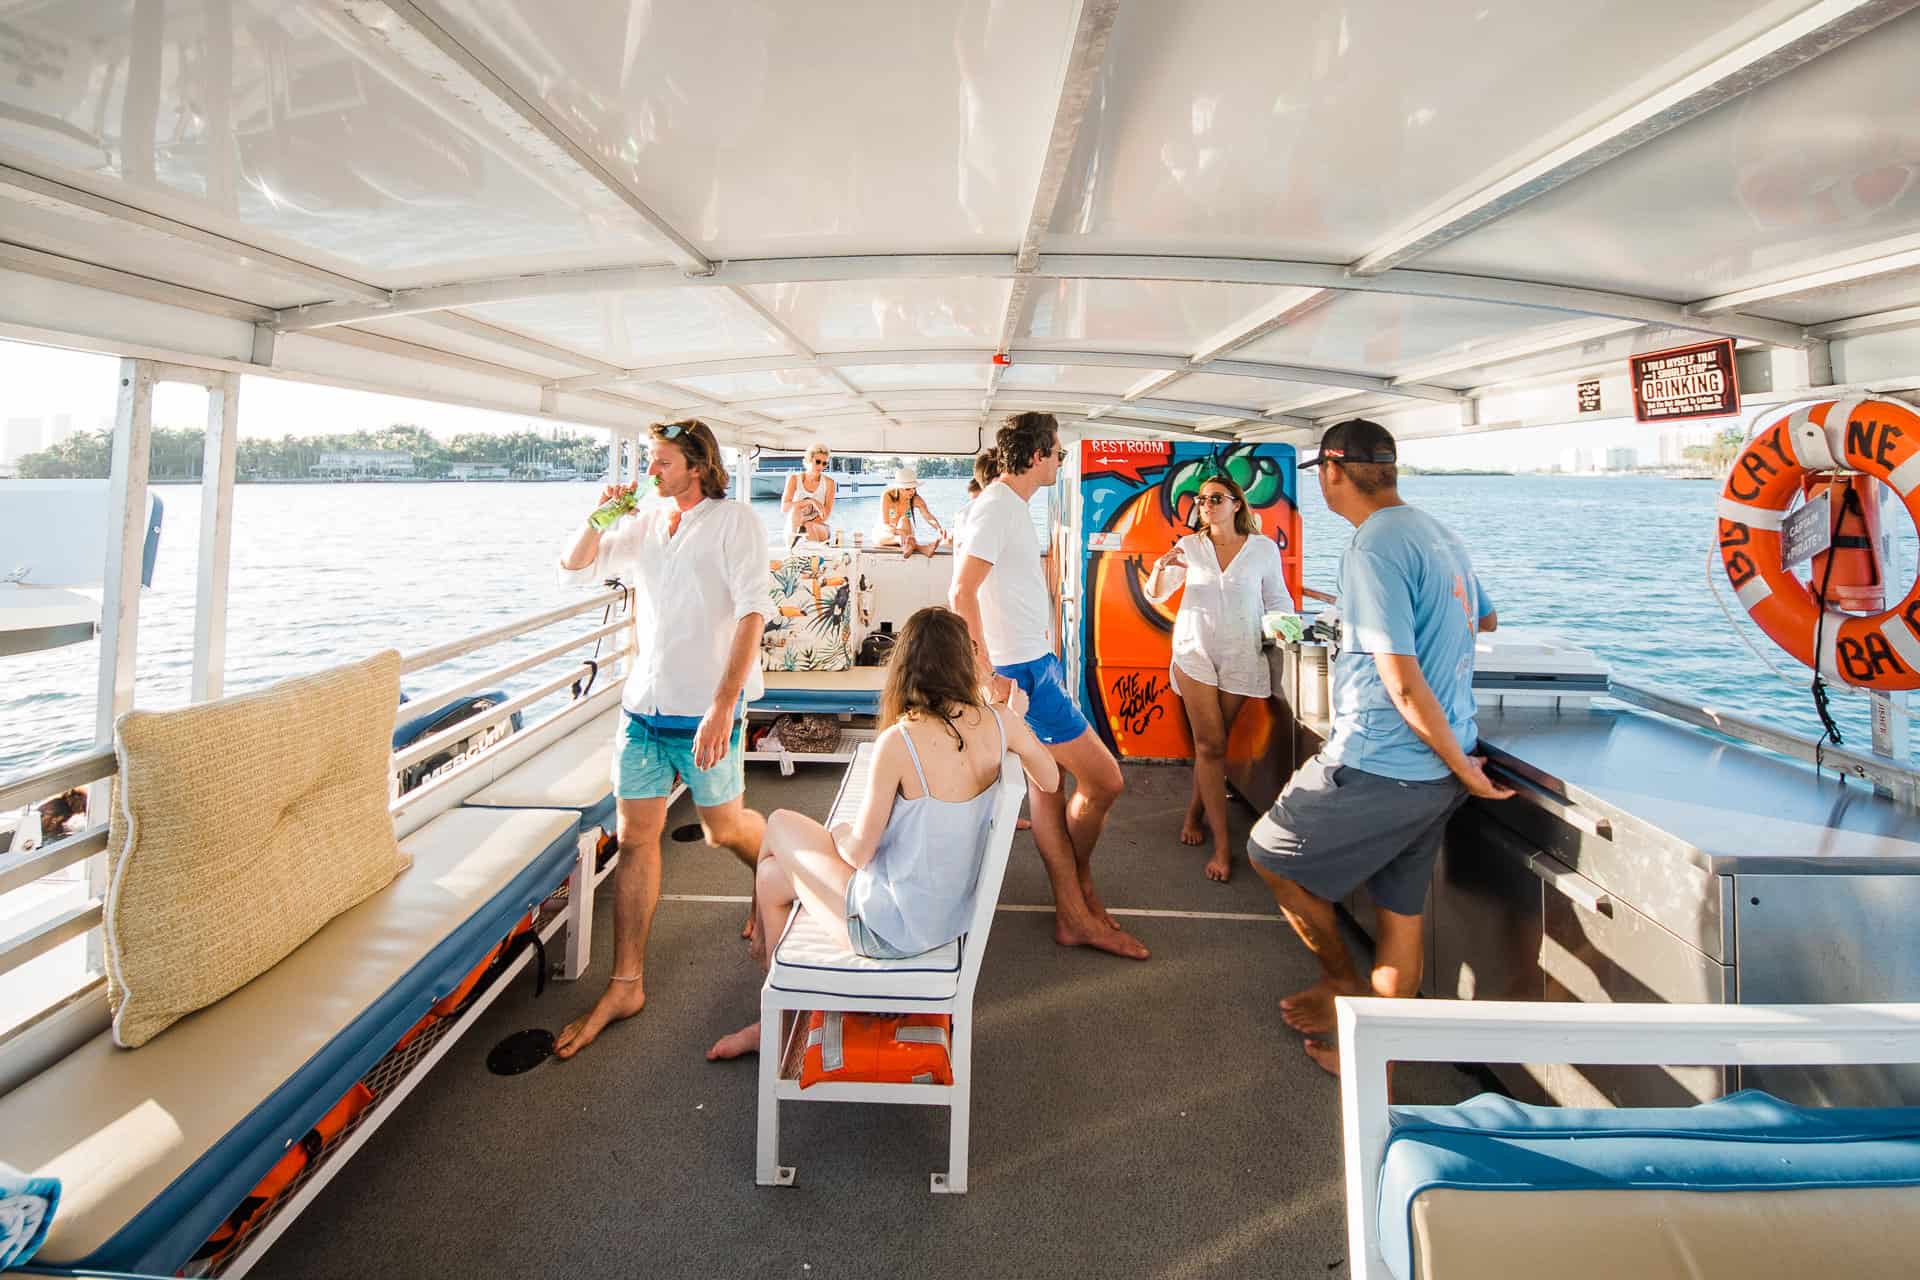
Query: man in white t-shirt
x=1000, y=588
x=697, y=564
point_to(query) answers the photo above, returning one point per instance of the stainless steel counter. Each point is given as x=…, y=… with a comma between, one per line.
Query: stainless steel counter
x=1649, y=860
x=1725, y=807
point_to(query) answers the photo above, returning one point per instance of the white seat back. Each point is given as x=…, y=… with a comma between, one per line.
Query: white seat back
x=993, y=869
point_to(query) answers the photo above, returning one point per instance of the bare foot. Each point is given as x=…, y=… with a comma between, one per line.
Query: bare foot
x=1325, y=1055
x=753, y=918
x=738, y=1045
x=619, y=1000
x=1220, y=865
x=1111, y=939
x=1193, y=831
x=1022, y=824
x=1310, y=1012
x=1094, y=904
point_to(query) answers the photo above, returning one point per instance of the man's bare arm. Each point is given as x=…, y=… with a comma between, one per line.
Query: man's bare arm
x=1413, y=699
x=963, y=597
x=1489, y=621
x=583, y=552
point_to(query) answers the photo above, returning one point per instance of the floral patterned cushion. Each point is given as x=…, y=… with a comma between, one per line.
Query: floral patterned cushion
x=812, y=624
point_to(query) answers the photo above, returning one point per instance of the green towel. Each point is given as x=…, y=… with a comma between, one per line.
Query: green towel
x=1283, y=627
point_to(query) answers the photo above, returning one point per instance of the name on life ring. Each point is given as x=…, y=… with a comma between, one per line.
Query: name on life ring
x=1880, y=438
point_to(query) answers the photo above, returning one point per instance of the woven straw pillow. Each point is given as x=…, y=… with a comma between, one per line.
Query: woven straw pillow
x=241, y=827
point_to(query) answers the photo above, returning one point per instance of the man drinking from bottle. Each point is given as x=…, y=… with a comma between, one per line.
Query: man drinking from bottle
x=697, y=564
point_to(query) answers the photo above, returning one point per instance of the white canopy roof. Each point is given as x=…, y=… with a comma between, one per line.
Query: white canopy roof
x=827, y=219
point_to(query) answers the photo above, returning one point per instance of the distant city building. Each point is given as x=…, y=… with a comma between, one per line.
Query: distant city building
x=1622, y=459
x=1579, y=460
x=22, y=437
x=477, y=471
x=356, y=463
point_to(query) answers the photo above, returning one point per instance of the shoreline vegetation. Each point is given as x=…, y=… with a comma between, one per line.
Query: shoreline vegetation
x=399, y=454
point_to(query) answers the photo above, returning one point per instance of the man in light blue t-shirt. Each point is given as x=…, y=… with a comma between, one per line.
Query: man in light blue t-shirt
x=1372, y=806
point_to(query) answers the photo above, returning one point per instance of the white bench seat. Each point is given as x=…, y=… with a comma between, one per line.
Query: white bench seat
x=811, y=961
x=574, y=773
x=155, y=1146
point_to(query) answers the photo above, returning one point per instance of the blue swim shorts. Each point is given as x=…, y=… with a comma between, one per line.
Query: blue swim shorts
x=650, y=758
x=1050, y=712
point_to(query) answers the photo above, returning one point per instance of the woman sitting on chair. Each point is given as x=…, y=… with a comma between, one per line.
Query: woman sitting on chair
x=808, y=502
x=900, y=879
x=1232, y=574
x=905, y=519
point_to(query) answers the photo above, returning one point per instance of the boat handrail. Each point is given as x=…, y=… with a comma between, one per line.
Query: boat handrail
x=412, y=662
x=441, y=697
x=54, y=779
x=1896, y=780
x=20, y=870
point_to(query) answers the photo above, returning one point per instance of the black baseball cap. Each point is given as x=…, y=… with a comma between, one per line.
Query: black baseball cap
x=1355, y=440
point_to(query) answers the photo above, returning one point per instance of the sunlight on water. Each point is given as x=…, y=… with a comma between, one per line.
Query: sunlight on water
x=327, y=573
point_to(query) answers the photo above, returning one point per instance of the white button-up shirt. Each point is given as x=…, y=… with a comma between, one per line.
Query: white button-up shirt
x=690, y=589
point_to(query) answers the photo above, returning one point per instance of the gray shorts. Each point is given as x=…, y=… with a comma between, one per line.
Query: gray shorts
x=1336, y=828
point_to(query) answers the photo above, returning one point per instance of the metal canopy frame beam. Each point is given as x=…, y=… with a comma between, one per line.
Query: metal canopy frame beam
x=1763, y=57
x=1273, y=272
x=1020, y=355
x=429, y=21
x=1086, y=55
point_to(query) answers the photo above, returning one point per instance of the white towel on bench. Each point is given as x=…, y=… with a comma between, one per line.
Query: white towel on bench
x=26, y=1211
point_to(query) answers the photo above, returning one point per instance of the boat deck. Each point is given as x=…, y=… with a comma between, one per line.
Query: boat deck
x=1148, y=1119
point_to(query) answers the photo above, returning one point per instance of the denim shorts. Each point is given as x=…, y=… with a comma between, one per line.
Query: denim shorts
x=1336, y=828
x=865, y=941
x=650, y=759
x=1050, y=712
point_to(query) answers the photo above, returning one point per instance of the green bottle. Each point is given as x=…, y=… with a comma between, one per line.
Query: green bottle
x=620, y=504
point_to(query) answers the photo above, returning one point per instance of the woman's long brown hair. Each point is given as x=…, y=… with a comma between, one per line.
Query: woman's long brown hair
x=931, y=672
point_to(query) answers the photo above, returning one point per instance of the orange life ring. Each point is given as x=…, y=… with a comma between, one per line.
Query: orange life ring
x=1880, y=438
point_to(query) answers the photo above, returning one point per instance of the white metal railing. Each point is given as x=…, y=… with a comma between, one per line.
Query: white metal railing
x=1373, y=1033
x=21, y=870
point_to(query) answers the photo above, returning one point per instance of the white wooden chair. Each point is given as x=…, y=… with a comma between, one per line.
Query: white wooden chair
x=811, y=971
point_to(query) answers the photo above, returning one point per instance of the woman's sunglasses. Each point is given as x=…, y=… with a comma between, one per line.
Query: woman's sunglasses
x=1214, y=499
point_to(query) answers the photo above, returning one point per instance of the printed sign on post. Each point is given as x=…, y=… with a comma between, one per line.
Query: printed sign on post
x=1589, y=393
x=1686, y=382
x=1807, y=532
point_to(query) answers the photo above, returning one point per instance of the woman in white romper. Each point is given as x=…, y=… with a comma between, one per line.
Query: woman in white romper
x=1232, y=575
x=808, y=501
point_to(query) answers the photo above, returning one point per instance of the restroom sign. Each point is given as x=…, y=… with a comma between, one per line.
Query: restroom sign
x=1686, y=382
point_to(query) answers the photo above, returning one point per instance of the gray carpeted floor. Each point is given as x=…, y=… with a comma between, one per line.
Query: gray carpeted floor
x=1150, y=1119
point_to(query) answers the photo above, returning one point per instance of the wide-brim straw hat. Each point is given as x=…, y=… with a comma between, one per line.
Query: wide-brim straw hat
x=905, y=478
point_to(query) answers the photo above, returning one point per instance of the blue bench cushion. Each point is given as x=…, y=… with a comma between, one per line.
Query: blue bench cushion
x=575, y=772
x=156, y=1145
x=1749, y=1141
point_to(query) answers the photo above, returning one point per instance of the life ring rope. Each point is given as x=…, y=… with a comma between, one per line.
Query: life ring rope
x=1875, y=437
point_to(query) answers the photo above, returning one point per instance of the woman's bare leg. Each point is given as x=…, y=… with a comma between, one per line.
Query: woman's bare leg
x=798, y=862
x=1208, y=713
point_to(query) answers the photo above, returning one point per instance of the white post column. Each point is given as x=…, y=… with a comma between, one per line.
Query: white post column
x=120, y=597
x=216, y=537
x=126, y=545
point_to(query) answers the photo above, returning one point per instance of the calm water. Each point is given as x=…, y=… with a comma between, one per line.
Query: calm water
x=323, y=573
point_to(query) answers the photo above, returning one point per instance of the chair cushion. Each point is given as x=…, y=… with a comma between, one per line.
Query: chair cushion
x=573, y=773
x=810, y=960
x=812, y=624
x=1582, y=1170
x=243, y=825
x=155, y=1148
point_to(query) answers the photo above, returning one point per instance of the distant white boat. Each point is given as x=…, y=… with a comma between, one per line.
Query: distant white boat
x=53, y=553
x=770, y=472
